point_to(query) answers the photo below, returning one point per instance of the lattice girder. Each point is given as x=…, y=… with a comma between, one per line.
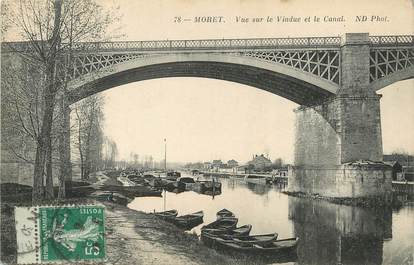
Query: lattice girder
x=322, y=63
x=384, y=62
x=325, y=64
x=85, y=64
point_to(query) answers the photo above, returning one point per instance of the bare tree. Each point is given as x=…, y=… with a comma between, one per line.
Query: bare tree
x=89, y=118
x=50, y=28
x=110, y=153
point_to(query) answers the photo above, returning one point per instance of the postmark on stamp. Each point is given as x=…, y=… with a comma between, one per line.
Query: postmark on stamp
x=60, y=233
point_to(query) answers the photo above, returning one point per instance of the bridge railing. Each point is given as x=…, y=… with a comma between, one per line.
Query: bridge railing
x=221, y=44
x=210, y=44
x=396, y=40
x=205, y=44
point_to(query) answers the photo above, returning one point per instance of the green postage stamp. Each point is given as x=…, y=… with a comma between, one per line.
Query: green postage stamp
x=60, y=233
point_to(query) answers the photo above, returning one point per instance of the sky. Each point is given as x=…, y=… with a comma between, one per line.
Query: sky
x=205, y=119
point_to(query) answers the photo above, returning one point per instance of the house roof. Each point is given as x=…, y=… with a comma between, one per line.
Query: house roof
x=261, y=158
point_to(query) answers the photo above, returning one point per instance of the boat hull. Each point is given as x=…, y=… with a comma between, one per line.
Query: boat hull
x=255, y=180
x=224, y=223
x=224, y=213
x=202, y=186
x=283, y=247
x=167, y=215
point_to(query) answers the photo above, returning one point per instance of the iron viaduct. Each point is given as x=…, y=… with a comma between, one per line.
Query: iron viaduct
x=338, y=143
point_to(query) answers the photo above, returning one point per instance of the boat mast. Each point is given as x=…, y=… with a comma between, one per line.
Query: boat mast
x=165, y=155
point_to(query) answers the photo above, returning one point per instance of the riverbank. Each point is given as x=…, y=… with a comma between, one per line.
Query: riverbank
x=135, y=237
x=132, y=237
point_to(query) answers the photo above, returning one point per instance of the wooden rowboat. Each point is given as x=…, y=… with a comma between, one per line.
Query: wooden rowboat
x=255, y=239
x=239, y=231
x=278, y=247
x=209, y=235
x=223, y=223
x=209, y=239
x=224, y=213
x=189, y=221
x=166, y=215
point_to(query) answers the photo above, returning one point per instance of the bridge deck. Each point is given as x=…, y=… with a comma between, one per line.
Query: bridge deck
x=223, y=44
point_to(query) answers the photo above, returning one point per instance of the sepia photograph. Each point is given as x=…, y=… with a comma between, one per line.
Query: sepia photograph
x=207, y=132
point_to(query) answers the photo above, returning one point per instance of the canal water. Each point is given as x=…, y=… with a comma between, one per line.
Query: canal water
x=329, y=233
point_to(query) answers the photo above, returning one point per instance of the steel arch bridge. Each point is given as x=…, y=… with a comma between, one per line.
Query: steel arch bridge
x=334, y=80
x=305, y=70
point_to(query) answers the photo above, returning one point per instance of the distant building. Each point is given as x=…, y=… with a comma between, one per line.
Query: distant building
x=240, y=169
x=216, y=165
x=232, y=163
x=407, y=164
x=282, y=172
x=408, y=173
x=207, y=166
x=260, y=162
x=396, y=170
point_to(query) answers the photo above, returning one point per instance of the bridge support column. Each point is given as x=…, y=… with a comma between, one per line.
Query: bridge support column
x=65, y=172
x=338, y=144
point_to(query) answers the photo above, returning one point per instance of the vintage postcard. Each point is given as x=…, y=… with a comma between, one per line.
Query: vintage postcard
x=207, y=132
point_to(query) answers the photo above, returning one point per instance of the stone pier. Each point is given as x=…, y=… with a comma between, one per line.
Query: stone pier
x=338, y=146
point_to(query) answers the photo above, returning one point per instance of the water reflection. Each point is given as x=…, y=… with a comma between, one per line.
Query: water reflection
x=337, y=234
x=259, y=189
x=329, y=233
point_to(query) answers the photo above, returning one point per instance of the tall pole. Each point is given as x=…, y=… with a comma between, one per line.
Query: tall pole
x=165, y=155
x=165, y=168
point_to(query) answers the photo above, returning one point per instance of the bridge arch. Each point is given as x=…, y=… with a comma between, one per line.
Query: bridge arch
x=293, y=84
x=400, y=75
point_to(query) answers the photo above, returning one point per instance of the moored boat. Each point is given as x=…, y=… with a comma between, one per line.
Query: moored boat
x=156, y=182
x=248, y=239
x=126, y=181
x=209, y=235
x=240, y=231
x=206, y=185
x=173, y=175
x=189, y=221
x=111, y=197
x=224, y=213
x=277, y=247
x=256, y=239
x=185, y=183
x=211, y=193
x=210, y=185
x=167, y=215
x=223, y=223
x=255, y=179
